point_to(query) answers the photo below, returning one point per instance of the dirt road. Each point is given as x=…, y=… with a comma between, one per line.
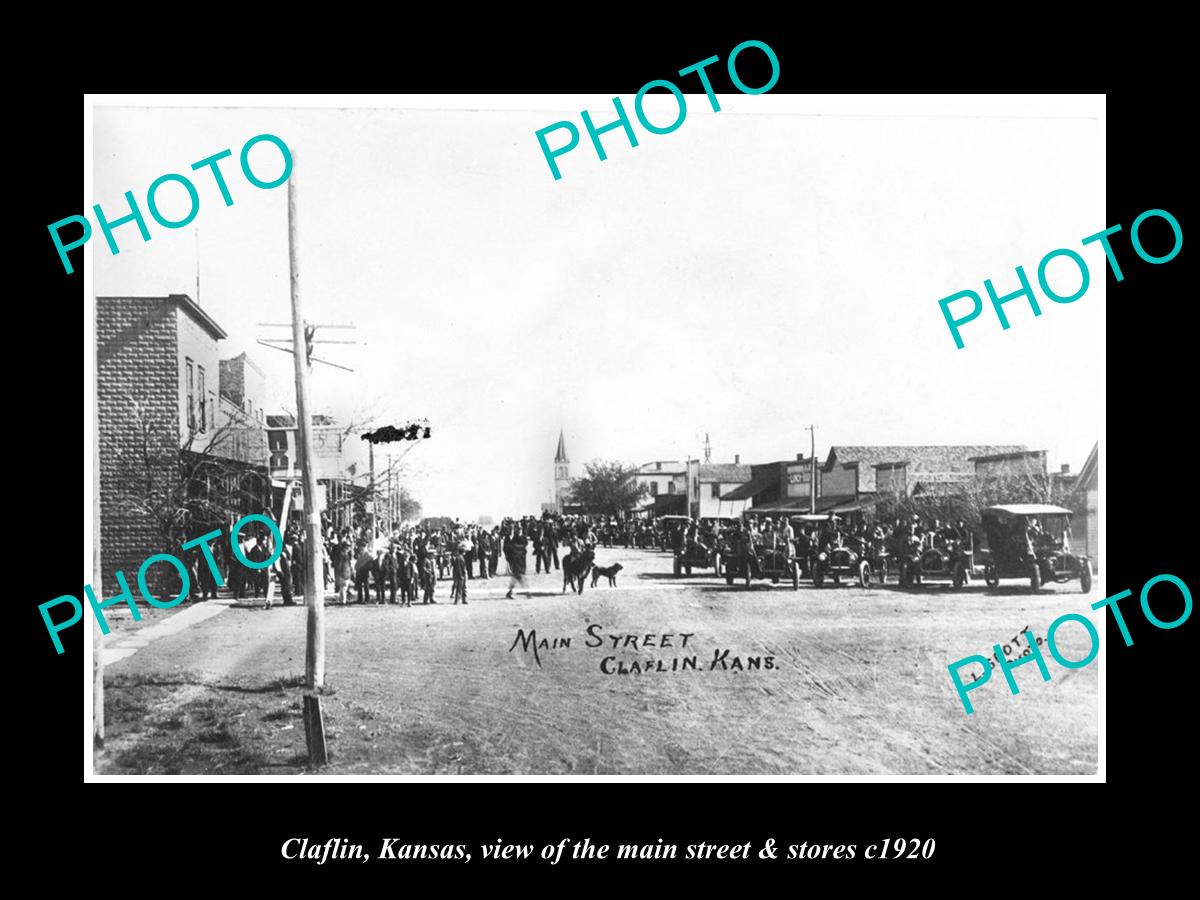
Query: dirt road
x=856, y=683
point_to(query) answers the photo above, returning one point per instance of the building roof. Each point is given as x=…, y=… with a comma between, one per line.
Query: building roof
x=1088, y=473
x=560, y=455
x=765, y=479
x=1016, y=454
x=204, y=319
x=724, y=473
x=649, y=468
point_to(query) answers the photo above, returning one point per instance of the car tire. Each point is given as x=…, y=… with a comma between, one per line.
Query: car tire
x=1085, y=575
x=687, y=570
x=1035, y=578
x=678, y=567
x=960, y=575
x=864, y=574
x=795, y=576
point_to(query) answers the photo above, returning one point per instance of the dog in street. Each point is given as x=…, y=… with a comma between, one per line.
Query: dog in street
x=609, y=572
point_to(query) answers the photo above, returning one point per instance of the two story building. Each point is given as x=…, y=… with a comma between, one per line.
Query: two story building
x=173, y=463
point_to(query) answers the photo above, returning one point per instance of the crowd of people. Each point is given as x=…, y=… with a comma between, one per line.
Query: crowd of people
x=403, y=564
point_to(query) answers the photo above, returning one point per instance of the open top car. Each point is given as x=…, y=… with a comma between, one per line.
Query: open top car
x=944, y=555
x=1031, y=540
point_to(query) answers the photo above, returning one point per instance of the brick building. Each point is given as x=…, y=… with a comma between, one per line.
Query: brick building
x=905, y=470
x=172, y=463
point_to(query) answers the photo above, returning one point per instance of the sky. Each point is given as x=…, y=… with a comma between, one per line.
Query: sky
x=756, y=270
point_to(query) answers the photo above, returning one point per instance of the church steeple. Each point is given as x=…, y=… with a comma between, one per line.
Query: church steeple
x=562, y=473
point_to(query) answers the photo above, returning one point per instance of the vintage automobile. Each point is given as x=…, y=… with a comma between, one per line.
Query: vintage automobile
x=775, y=564
x=842, y=560
x=1031, y=540
x=937, y=558
x=694, y=556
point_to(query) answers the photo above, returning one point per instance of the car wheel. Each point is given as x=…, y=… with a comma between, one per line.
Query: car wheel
x=728, y=576
x=864, y=574
x=1035, y=578
x=795, y=576
x=687, y=570
x=678, y=567
x=1085, y=575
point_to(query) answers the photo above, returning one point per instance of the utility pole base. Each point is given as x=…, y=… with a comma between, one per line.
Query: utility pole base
x=314, y=731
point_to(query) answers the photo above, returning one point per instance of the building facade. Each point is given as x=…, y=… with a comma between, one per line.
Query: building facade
x=707, y=483
x=905, y=470
x=167, y=468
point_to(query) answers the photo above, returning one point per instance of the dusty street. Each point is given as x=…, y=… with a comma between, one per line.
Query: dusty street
x=836, y=680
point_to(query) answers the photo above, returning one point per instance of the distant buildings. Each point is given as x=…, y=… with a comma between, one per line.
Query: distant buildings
x=666, y=482
x=342, y=482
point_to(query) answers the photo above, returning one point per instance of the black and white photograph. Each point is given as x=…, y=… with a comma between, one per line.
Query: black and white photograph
x=524, y=435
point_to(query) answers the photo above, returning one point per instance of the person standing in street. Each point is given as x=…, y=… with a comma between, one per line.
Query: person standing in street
x=515, y=549
x=549, y=546
x=458, y=570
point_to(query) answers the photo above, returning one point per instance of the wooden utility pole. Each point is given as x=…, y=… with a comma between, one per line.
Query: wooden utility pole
x=314, y=579
x=314, y=657
x=371, y=488
x=812, y=488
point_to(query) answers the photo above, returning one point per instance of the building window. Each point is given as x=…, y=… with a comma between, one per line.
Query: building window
x=203, y=404
x=212, y=409
x=716, y=491
x=277, y=443
x=658, y=467
x=654, y=489
x=191, y=396
x=670, y=487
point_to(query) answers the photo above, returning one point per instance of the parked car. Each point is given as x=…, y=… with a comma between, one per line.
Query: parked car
x=739, y=561
x=938, y=558
x=1031, y=540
